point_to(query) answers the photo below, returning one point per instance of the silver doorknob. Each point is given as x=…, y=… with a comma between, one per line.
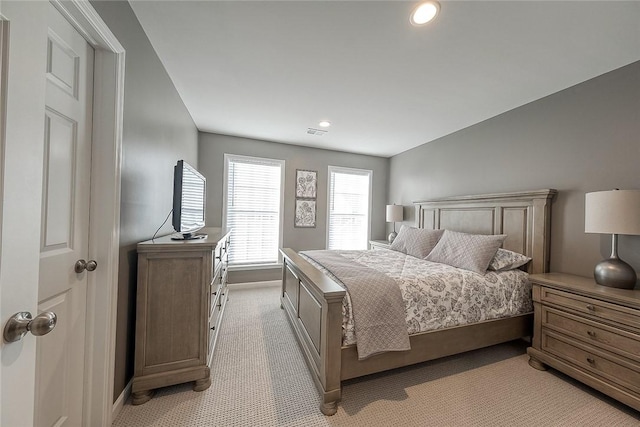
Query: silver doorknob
x=21, y=323
x=82, y=265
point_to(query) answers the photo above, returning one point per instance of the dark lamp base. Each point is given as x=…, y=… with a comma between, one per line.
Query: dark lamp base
x=392, y=236
x=615, y=273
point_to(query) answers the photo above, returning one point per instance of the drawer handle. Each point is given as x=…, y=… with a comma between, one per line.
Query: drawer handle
x=591, y=307
x=592, y=334
x=213, y=328
x=591, y=360
x=215, y=293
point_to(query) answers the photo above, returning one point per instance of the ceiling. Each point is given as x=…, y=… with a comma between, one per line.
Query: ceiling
x=271, y=70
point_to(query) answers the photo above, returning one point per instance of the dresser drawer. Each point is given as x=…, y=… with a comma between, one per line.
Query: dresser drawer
x=216, y=291
x=213, y=329
x=600, y=309
x=611, y=339
x=599, y=362
x=218, y=252
x=219, y=257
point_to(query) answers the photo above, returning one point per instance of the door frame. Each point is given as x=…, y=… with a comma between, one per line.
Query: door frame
x=104, y=222
x=4, y=56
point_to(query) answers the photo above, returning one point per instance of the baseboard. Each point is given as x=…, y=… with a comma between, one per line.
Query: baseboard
x=120, y=401
x=251, y=285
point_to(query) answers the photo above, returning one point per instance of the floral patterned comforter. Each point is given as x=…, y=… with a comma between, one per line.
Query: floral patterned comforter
x=439, y=296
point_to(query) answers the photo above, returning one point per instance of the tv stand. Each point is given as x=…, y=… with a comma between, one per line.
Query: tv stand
x=188, y=236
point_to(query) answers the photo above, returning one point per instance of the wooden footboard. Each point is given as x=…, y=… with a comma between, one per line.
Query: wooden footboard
x=313, y=303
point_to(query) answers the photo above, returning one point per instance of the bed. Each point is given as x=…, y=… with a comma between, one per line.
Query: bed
x=313, y=300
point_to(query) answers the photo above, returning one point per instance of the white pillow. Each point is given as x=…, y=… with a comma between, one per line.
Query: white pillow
x=467, y=251
x=505, y=259
x=416, y=242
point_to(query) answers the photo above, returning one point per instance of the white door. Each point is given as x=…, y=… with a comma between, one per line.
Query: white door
x=65, y=223
x=45, y=213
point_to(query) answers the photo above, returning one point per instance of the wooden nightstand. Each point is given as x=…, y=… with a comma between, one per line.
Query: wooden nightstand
x=379, y=244
x=589, y=332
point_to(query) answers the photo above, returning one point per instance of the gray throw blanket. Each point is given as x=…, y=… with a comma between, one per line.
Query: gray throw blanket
x=378, y=309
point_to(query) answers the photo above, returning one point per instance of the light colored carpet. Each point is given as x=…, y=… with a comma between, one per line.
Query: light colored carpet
x=259, y=378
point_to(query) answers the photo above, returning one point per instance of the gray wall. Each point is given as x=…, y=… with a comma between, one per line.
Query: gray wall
x=585, y=138
x=212, y=148
x=158, y=131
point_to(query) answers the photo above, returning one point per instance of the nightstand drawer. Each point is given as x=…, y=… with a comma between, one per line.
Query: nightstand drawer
x=611, y=312
x=589, y=358
x=379, y=244
x=611, y=339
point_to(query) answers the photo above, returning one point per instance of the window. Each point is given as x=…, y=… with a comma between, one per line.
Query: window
x=253, y=207
x=349, y=208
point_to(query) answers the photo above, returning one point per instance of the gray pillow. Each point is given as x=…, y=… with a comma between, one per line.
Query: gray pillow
x=416, y=242
x=467, y=251
x=505, y=259
x=398, y=243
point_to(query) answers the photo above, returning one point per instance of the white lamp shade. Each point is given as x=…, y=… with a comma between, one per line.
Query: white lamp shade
x=394, y=213
x=612, y=212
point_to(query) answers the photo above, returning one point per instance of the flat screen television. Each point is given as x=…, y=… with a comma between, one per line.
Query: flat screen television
x=189, y=195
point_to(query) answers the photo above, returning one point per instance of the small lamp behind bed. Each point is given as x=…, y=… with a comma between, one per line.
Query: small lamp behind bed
x=613, y=212
x=394, y=214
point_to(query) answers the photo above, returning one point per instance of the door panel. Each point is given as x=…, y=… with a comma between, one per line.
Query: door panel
x=59, y=141
x=65, y=223
x=54, y=370
x=63, y=64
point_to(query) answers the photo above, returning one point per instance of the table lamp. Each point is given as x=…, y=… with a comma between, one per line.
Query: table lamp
x=613, y=212
x=394, y=214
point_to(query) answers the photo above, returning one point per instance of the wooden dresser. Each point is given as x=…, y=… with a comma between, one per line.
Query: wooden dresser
x=589, y=332
x=182, y=292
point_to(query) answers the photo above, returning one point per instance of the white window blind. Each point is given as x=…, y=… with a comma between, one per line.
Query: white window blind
x=349, y=208
x=253, y=208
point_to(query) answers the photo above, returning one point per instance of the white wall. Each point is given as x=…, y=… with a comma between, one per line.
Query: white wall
x=585, y=138
x=212, y=148
x=158, y=131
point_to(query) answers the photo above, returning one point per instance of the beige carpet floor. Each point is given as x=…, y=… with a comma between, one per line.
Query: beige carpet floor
x=259, y=378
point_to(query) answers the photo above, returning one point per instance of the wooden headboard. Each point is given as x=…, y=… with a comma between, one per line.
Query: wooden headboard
x=525, y=217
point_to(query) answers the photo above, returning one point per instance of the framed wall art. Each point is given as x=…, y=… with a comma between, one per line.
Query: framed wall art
x=305, y=213
x=306, y=184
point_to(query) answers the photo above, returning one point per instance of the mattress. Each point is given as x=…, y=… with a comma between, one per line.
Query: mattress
x=438, y=296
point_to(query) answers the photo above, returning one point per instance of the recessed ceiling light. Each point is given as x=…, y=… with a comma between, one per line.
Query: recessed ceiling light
x=324, y=124
x=424, y=12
